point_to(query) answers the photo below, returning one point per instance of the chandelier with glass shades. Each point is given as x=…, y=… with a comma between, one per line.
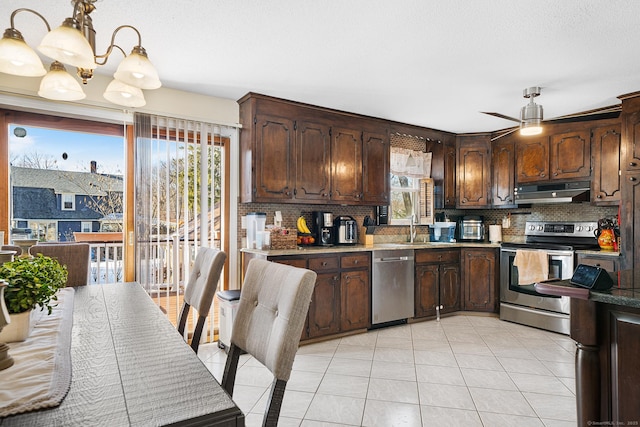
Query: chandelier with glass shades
x=73, y=43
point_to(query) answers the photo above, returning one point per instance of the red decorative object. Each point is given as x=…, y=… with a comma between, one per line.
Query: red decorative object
x=606, y=239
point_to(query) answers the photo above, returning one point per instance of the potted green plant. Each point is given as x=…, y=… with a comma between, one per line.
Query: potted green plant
x=32, y=282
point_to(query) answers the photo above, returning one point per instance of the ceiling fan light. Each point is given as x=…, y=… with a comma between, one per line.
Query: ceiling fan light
x=136, y=70
x=59, y=85
x=531, y=127
x=68, y=45
x=123, y=94
x=17, y=58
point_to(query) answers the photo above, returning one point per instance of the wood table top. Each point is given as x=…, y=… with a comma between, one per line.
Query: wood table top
x=132, y=368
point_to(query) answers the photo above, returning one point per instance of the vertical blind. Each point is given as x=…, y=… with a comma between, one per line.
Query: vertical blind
x=179, y=200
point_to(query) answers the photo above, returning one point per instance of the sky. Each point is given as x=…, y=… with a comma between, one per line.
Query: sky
x=71, y=151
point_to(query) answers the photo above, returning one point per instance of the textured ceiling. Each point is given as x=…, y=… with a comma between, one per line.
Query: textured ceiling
x=434, y=63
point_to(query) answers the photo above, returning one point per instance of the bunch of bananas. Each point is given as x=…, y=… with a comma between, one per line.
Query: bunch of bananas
x=302, y=226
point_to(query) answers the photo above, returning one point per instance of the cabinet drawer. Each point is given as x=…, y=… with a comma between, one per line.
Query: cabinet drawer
x=429, y=256
x=324, y=263
x=297, y=262
x=607, y=264
x=353, y=261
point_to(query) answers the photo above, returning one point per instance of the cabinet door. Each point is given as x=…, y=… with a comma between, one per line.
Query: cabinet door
x=605, y=185
x=449, y=190
x=275, y=159
x=570, y=155
x=631, y=132
x=623, y=350
x=426, y=289
x=324, y=310
x=532, y=159
x=479, y=279
x=346, y=159
x=313, y=165
x=449, y=288
x=375, y=163
x=503, y=158
x=630, y=223
x=474, y=172
x=355, y=305
x=608, y=263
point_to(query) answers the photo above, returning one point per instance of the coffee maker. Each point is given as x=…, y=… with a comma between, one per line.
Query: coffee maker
x=323, y=228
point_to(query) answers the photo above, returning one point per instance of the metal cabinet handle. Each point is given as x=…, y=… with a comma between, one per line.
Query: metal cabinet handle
x=355, y=262
x=631, y=178
x=599, y=196
x=543, y=175
x=632, y=164
x=324, y=263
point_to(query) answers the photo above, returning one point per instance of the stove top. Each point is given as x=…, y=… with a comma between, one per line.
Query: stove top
x=572, y=235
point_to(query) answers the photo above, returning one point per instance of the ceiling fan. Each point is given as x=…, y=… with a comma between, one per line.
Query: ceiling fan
x=531, y=115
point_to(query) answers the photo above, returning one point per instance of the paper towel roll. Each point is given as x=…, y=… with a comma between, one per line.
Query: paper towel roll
x=495, y=233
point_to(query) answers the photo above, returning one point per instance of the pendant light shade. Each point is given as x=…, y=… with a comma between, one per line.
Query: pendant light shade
x=123, y=94
x=60, y=85
x=73, y=44
x=136, y=70
x=17, y=58
x=66, y=44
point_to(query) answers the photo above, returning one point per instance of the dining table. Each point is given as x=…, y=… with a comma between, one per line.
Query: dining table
x=130, y=367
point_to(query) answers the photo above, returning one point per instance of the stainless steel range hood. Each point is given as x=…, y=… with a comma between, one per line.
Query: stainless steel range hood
x=565, y=192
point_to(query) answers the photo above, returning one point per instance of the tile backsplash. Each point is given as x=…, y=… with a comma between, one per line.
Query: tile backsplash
x=554, y=212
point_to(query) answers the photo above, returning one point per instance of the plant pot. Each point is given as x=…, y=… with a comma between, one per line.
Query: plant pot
x=20, y=327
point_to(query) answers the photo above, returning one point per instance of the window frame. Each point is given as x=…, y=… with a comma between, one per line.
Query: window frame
x=63, y=201
x=415, y=189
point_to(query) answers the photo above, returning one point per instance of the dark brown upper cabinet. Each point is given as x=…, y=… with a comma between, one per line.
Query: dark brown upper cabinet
x=554, y=156
x=605, y=183
x=474, y=171
x=503, y=168
x=298, y=153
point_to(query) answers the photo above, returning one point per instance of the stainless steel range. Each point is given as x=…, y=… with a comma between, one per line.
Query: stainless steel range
x=520, y=302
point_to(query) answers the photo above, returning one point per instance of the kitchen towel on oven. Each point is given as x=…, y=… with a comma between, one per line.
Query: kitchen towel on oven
x=533, y=266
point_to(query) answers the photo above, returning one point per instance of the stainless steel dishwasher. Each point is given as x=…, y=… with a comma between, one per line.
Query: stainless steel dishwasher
x=392, y=293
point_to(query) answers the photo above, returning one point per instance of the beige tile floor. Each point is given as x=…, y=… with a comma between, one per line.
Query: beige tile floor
x=465, y=370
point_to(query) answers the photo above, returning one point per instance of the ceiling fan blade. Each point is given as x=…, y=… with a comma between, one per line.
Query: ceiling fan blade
x=605, y=110
x=504, y=133
x=501, y=116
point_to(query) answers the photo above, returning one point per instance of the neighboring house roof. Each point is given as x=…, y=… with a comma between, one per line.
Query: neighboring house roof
x=84, y=183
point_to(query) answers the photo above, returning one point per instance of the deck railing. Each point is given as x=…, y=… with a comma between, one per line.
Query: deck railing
x=166, y=267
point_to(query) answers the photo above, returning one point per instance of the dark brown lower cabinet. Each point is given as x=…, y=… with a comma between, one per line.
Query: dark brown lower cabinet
x=607, y=368
x=355, y=305
x=479, y=279
x=341, y=297
x=437, y=282
x=324, y=310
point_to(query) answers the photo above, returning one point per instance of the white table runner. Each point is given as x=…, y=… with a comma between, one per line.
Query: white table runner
x=41, y=374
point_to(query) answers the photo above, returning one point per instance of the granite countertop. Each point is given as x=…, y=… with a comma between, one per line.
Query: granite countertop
x=622, y=293
x=614, y=254
x=311, y=249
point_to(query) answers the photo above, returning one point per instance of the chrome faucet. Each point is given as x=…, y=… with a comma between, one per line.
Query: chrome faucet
x=412, y=229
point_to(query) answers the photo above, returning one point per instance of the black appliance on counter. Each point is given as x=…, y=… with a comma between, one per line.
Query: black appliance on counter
x=382, y=215
x=471, y=229
x=323, y=228
x=346, y=230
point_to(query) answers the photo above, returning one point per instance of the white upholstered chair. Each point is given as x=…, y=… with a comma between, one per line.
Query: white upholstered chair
x=273, y=307
x=200, y=289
